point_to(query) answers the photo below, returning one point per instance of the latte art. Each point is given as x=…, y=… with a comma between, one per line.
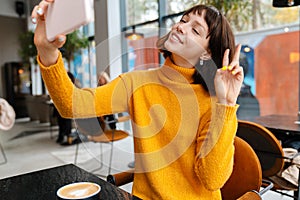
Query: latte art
x=79, y=190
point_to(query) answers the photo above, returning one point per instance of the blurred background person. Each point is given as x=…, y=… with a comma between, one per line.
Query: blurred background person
x=103, y=79
x=64, y=124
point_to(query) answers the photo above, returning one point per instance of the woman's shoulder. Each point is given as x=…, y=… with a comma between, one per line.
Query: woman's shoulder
x=141, y=74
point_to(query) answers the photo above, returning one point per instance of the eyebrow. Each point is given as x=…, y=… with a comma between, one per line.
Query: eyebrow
x=197, y=22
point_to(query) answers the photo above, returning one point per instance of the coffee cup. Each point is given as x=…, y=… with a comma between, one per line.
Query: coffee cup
x=79, y=191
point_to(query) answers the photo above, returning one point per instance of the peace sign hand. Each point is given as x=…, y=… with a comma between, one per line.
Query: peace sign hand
x=228, y=80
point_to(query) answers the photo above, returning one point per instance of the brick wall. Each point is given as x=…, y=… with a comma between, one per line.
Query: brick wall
x=276, y=73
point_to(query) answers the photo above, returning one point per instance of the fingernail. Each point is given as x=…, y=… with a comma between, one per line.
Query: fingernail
x=61, y=39
x=230, y=67
x=40, y=11
x=224, y=68
x=33, y=20
x=233, y=72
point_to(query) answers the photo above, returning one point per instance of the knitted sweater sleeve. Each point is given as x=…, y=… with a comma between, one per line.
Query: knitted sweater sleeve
x=215, y=149
x=73, y=102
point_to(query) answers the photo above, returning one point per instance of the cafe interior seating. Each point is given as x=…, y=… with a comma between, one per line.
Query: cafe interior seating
x=100, y=131
x=244, y=183
x=270, y=154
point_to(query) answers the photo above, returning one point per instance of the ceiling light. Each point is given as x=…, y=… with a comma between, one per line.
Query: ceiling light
x=134, y=35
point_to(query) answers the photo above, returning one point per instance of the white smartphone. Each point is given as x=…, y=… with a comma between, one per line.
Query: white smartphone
x=65, y=16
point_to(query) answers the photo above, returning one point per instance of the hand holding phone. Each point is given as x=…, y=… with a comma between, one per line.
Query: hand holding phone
x=65, y=16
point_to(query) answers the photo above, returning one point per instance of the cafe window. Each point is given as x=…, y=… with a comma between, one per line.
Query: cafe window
x=270, y=53
x=269, y=38
x=138, y=11
x=142, y=53
x=140, y=28
x=176, y=6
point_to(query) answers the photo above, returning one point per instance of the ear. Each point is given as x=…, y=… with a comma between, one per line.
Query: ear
x=205, y=55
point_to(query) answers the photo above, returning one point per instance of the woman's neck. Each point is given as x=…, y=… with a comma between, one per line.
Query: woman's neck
x=179, y=61
x=177, y=73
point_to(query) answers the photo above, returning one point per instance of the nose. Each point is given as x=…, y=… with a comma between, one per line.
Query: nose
x=180, y=28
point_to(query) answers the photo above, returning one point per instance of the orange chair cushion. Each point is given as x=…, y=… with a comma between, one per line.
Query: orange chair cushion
x=246, y=175
x=109, y=136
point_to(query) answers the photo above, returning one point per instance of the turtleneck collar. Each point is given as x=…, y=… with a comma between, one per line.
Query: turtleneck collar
x=170, y=69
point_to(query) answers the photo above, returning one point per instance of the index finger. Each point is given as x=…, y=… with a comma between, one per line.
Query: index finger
x=226, y=58
x=236, y=56
x=39, y=10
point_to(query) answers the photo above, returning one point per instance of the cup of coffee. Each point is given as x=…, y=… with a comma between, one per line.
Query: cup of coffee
x=80, y=191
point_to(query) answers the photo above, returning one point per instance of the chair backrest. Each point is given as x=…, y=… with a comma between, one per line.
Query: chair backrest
x=96, y=126
x=89, y=126
x=246, y=175
x=265, y=145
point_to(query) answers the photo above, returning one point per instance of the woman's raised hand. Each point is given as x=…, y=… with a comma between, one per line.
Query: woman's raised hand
x=228, y=80
x=47, y=51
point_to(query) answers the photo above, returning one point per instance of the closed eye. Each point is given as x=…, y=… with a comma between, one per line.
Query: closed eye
x=196, y=31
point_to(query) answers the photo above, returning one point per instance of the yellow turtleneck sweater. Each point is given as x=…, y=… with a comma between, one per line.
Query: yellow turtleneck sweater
x=183, y=139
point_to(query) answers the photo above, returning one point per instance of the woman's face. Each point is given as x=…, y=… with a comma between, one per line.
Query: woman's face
x=188, y=40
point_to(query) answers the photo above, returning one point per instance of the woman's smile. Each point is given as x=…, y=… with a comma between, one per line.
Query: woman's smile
x=176, y=38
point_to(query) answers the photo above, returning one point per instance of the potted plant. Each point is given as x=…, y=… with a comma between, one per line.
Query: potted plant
x=75, y=42
x=27, y=49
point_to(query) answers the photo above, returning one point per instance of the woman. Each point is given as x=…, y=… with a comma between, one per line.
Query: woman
x=64, y=124
x=183, y=125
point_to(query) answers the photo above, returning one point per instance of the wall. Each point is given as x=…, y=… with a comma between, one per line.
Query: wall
x=11, y=27
x=276, y=73
x=108, y=40
x=7, y=8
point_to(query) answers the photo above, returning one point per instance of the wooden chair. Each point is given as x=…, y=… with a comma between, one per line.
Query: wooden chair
x=243, y=184
x=100, y=131
x=269, y=152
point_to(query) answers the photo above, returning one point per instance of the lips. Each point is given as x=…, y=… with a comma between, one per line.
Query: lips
x=176, y=37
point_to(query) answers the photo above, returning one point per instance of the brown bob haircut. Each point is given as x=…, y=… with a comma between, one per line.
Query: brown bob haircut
x=221, y=38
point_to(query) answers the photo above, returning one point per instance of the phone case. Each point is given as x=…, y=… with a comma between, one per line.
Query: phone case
x=65, y=16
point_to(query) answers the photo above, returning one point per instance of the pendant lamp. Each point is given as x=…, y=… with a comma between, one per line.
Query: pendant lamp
x=134, y=35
